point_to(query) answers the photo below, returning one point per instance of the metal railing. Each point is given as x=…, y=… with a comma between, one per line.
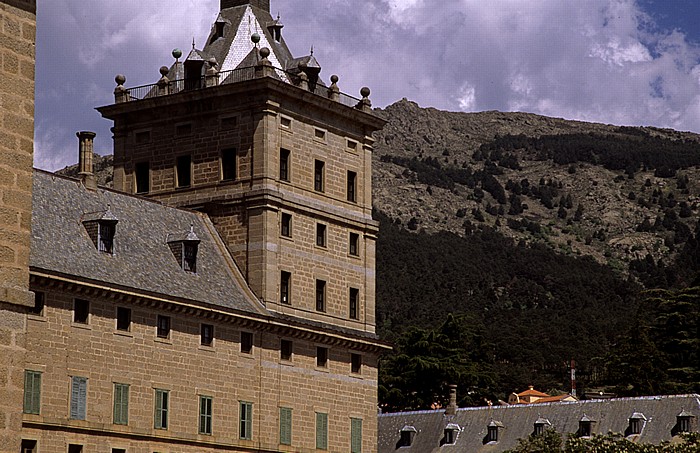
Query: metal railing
x=229, y=77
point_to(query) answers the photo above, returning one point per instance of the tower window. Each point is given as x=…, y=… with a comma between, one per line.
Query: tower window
x=206, y=335
x=321, y=431
x=143, y=177
x=286, y=350
x=163, y=327
x=320, y=235
x=284, y=164
x=39, y=302
x=183, y=129
x=161, y=409
x=354, y=246
x=322, y=357
x=319, y=178
x=355, y=363
x=28, y=446
x=352, y=186
x=123, y=319
x=81, y=311
x=285, y=287
x=286, y=225
x=354, y=303
x=320, y=134
x=75, y=448
x=246, y=425
x=228, y=164
x=355, y=435
x=246, y=342
x=285, y=426
x=320, y=295
x=205, y=414
x=183, y=171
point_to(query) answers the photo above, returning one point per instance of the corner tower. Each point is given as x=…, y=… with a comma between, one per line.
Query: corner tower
x=281, y=162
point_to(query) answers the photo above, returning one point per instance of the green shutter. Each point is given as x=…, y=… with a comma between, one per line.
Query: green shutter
x=121, y=404
x=78, y=398
x=161, y=412
x=246, y=421
x=285, y=426
x=32, y=392
x=205, y=415
x=321, y=431
x=355, y=435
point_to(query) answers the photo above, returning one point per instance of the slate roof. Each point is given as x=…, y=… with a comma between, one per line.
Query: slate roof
x=143, y=260
x=518, y=422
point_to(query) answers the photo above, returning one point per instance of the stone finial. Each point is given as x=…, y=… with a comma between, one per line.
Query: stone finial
x=164, y=82
x=85, y=152
x=333, y=90
x=365, y=104
x=120, y=93
x=264, y=67
x=211, y=77
x=303, y=81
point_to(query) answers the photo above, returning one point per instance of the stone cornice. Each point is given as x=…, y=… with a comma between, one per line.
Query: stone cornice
x=25, y=5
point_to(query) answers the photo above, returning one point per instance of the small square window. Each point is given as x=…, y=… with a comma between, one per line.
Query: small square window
x=352, y=186
x=183, y=129
x=28, y=446
x=246, y=342
x=354, y=244
x=163, y=327
x=142, y=177
x=321, y=357
x=75, y=448
x=320, y=295
x=355, y=363
x=39, y=302
x=286, y=225
x=183, y=171
x=319, y=176
x=320, y=235
x=286, y=350
x=354, y=303
x=285, y=288
x=118, y=450
x=284, y=164
x=320, y=134
x=285, y=122
x=123, y=319
x=81, y=311
x=142, y=137
x=352, y=146
x=228, y=164
x=207, y=335
x=229, y=122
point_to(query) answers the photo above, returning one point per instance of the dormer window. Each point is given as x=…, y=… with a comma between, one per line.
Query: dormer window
x=492, y=431
x=636, y=422
x=451, y=431
x=101, y=226
x=219, y=26
x=585, y=426
x=684, y=422
x=185, y=249
x=407, y=435
x=540, y=426
x=275, y=28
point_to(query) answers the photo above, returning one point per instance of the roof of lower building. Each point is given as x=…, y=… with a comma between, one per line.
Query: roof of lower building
x=517, y=422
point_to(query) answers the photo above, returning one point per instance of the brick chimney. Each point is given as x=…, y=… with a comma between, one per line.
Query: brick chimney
x=86, y=147
x=452, y=407
x=262, y=4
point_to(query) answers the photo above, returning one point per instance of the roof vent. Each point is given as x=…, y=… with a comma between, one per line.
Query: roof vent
x=185, y=248
x=101, y=227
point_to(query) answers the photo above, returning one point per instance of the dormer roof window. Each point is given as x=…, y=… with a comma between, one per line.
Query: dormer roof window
x=541, y=425
x=219, y=27
x=636, y=423
x=407, y=435
x=451, y=431
x=585, y=426
x=684, y=422
x=185, y=249
x=275, y=27
x=101, y=226
x=492, y=431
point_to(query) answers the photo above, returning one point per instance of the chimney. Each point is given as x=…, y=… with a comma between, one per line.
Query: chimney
x=452, y=407
x=262, y=4
x=87, y=175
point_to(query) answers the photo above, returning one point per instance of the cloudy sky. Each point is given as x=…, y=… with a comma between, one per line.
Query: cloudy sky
x=631, y=62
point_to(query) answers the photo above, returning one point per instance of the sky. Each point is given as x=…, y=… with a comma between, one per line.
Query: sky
x=625, y=62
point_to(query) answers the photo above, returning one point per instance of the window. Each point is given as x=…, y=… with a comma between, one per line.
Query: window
x=105, y=236
x=286, y=225
x=161, y=410
x=121, y=404
x=205, y=414
x=246, y=425
x=246, y=342
x=78, y=398
x=355, y=363
x=492, y=433
x=142, y=137
x=286, y=122
x=584, y=428
x=39, y=302
x=28, y=446
x=683, y=422
x=32, y=392
x=75, y=448
x=320, y=295
x=228, y=164
x=635, y=426
x=286, y=348
x=183, y=129
x=118, y=450
x=354, y=303
x=206, y=335
x=321, y=357
x=229, y=122
x=143, y=177
x=284, y=164
x=183, y=171
x=450, y=436
x=320, y=134
x=285, y=426
x=540, y=425
x=123, y=319
x=407, y=435
x=355, y=435
x=81, y=311
x=354, y=245
x=285, y=286
x=189, y=256
x=320, y=235
x=163, y=327
x=319, y=179
x=352, y=186
x=352, y=146
x=321, y=431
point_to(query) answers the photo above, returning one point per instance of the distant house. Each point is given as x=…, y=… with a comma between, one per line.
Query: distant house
x=498, y=428
x=531, y=395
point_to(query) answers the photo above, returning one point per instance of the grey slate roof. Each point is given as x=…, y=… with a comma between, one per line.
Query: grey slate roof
x=518, y=422
x=143, y=260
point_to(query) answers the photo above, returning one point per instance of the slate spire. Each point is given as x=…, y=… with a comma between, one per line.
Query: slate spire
x=262, y=4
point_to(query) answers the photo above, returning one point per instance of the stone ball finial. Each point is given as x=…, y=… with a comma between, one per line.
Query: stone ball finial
x=120, y=79
x=212, y=62
x=255, y=38
x=164, y=71
x=365, y=92
x=177, y=53
x=334, y=78
x=264, y=52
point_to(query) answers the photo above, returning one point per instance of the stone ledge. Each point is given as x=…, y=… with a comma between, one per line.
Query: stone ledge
x=26, y=5
x=16, y=296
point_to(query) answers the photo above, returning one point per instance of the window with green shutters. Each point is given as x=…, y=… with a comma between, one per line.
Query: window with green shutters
x=121, y=404
x=285, y=426
x=78, y=398
x=355, y=435
x=32, y=392
x=205, y=414
x=161, y=411
x=246, y=426
x=321, y=431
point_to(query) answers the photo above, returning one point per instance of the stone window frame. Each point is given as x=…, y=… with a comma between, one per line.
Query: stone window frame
x=286, y=123
x=168, y=328
x=228, y=164
x=183, y=129
x=161, y=414
x=320, y=135
x=286, y=352
x=319, y=176
x=123, y=319
x=286, y=224
x=352, y=146
x=351, y=189
x=321, y=295
x=247, y=342
x=81, y=318
x=356, y=363
x=354, y=303
x=285, y=161
x=206, y=415
x=321, y=235
x=354, y=244
x=288, y=290
x=206, y=340
x=139, y=177
x=245, y=426
x=180, y=166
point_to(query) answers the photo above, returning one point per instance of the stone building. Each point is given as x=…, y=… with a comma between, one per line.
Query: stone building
x=221, y=297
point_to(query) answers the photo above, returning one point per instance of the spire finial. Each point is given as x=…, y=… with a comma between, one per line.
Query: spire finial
x=312, y=51
x=193, y=43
